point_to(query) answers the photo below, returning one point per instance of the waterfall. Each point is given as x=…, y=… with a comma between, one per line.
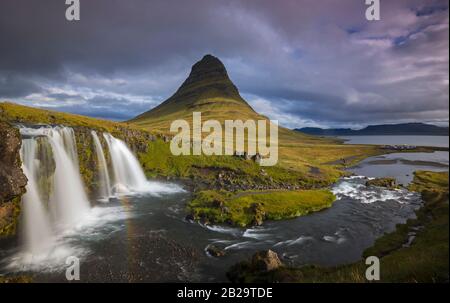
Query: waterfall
x=55, y=207
x=69, y=200
x=128, y=174
x=68, y=137
x=36, y=230
x=105, y=184
x=56, y=212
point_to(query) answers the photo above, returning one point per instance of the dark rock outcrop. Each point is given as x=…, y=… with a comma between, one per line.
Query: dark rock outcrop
x=137, y=140
x=215, y=251
x=389, y=183
x=258, y=213
x=12, y=179
x=266, y=260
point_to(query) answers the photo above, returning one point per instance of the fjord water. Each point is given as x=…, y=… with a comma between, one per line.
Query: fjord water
x=401, y=165
x=437, y=141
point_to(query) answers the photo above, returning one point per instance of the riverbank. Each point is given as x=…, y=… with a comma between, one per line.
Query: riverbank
x=416, y=251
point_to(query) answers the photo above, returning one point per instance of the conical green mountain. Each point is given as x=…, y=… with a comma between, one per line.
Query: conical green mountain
x=208, y=90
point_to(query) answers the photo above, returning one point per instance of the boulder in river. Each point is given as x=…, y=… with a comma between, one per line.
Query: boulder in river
x=215, y=251
x=387, y=182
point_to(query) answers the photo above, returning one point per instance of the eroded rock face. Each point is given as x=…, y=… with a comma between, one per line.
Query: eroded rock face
x=259, y=214
x=137, y=140
x=12, y=179
x=215, y=251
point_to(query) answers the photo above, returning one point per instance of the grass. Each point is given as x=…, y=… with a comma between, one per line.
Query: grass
x=242, y=209
x=430, y=181
x=426, y=259
x=159, y=161
x=23, y=114
x=297, y=152
x=15, y=113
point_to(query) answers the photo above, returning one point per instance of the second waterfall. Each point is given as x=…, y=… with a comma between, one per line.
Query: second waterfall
x=128, y=174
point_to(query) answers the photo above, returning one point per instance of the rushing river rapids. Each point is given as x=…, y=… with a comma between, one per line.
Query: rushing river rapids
x=141, y=234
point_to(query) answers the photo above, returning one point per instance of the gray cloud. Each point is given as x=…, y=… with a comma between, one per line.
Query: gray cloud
x=13, y=86
x=304, y=62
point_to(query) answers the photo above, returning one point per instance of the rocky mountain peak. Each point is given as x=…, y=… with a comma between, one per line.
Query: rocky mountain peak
x=206, y=74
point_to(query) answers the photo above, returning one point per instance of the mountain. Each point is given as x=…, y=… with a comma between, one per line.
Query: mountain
x=384, y=130
x=208, y=90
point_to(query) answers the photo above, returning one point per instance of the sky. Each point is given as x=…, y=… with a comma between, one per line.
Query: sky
x=305, y=63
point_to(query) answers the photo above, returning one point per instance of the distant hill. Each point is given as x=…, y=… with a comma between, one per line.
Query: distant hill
x=405, y=129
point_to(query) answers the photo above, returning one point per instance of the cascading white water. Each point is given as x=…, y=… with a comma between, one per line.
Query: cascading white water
x=56, y=210
x=128, y=174
x=69, y=201
x=68, y=137
x=104, y=182
x=36, y=229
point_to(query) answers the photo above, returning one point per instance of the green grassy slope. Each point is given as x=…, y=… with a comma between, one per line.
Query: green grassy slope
x=15, y=113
